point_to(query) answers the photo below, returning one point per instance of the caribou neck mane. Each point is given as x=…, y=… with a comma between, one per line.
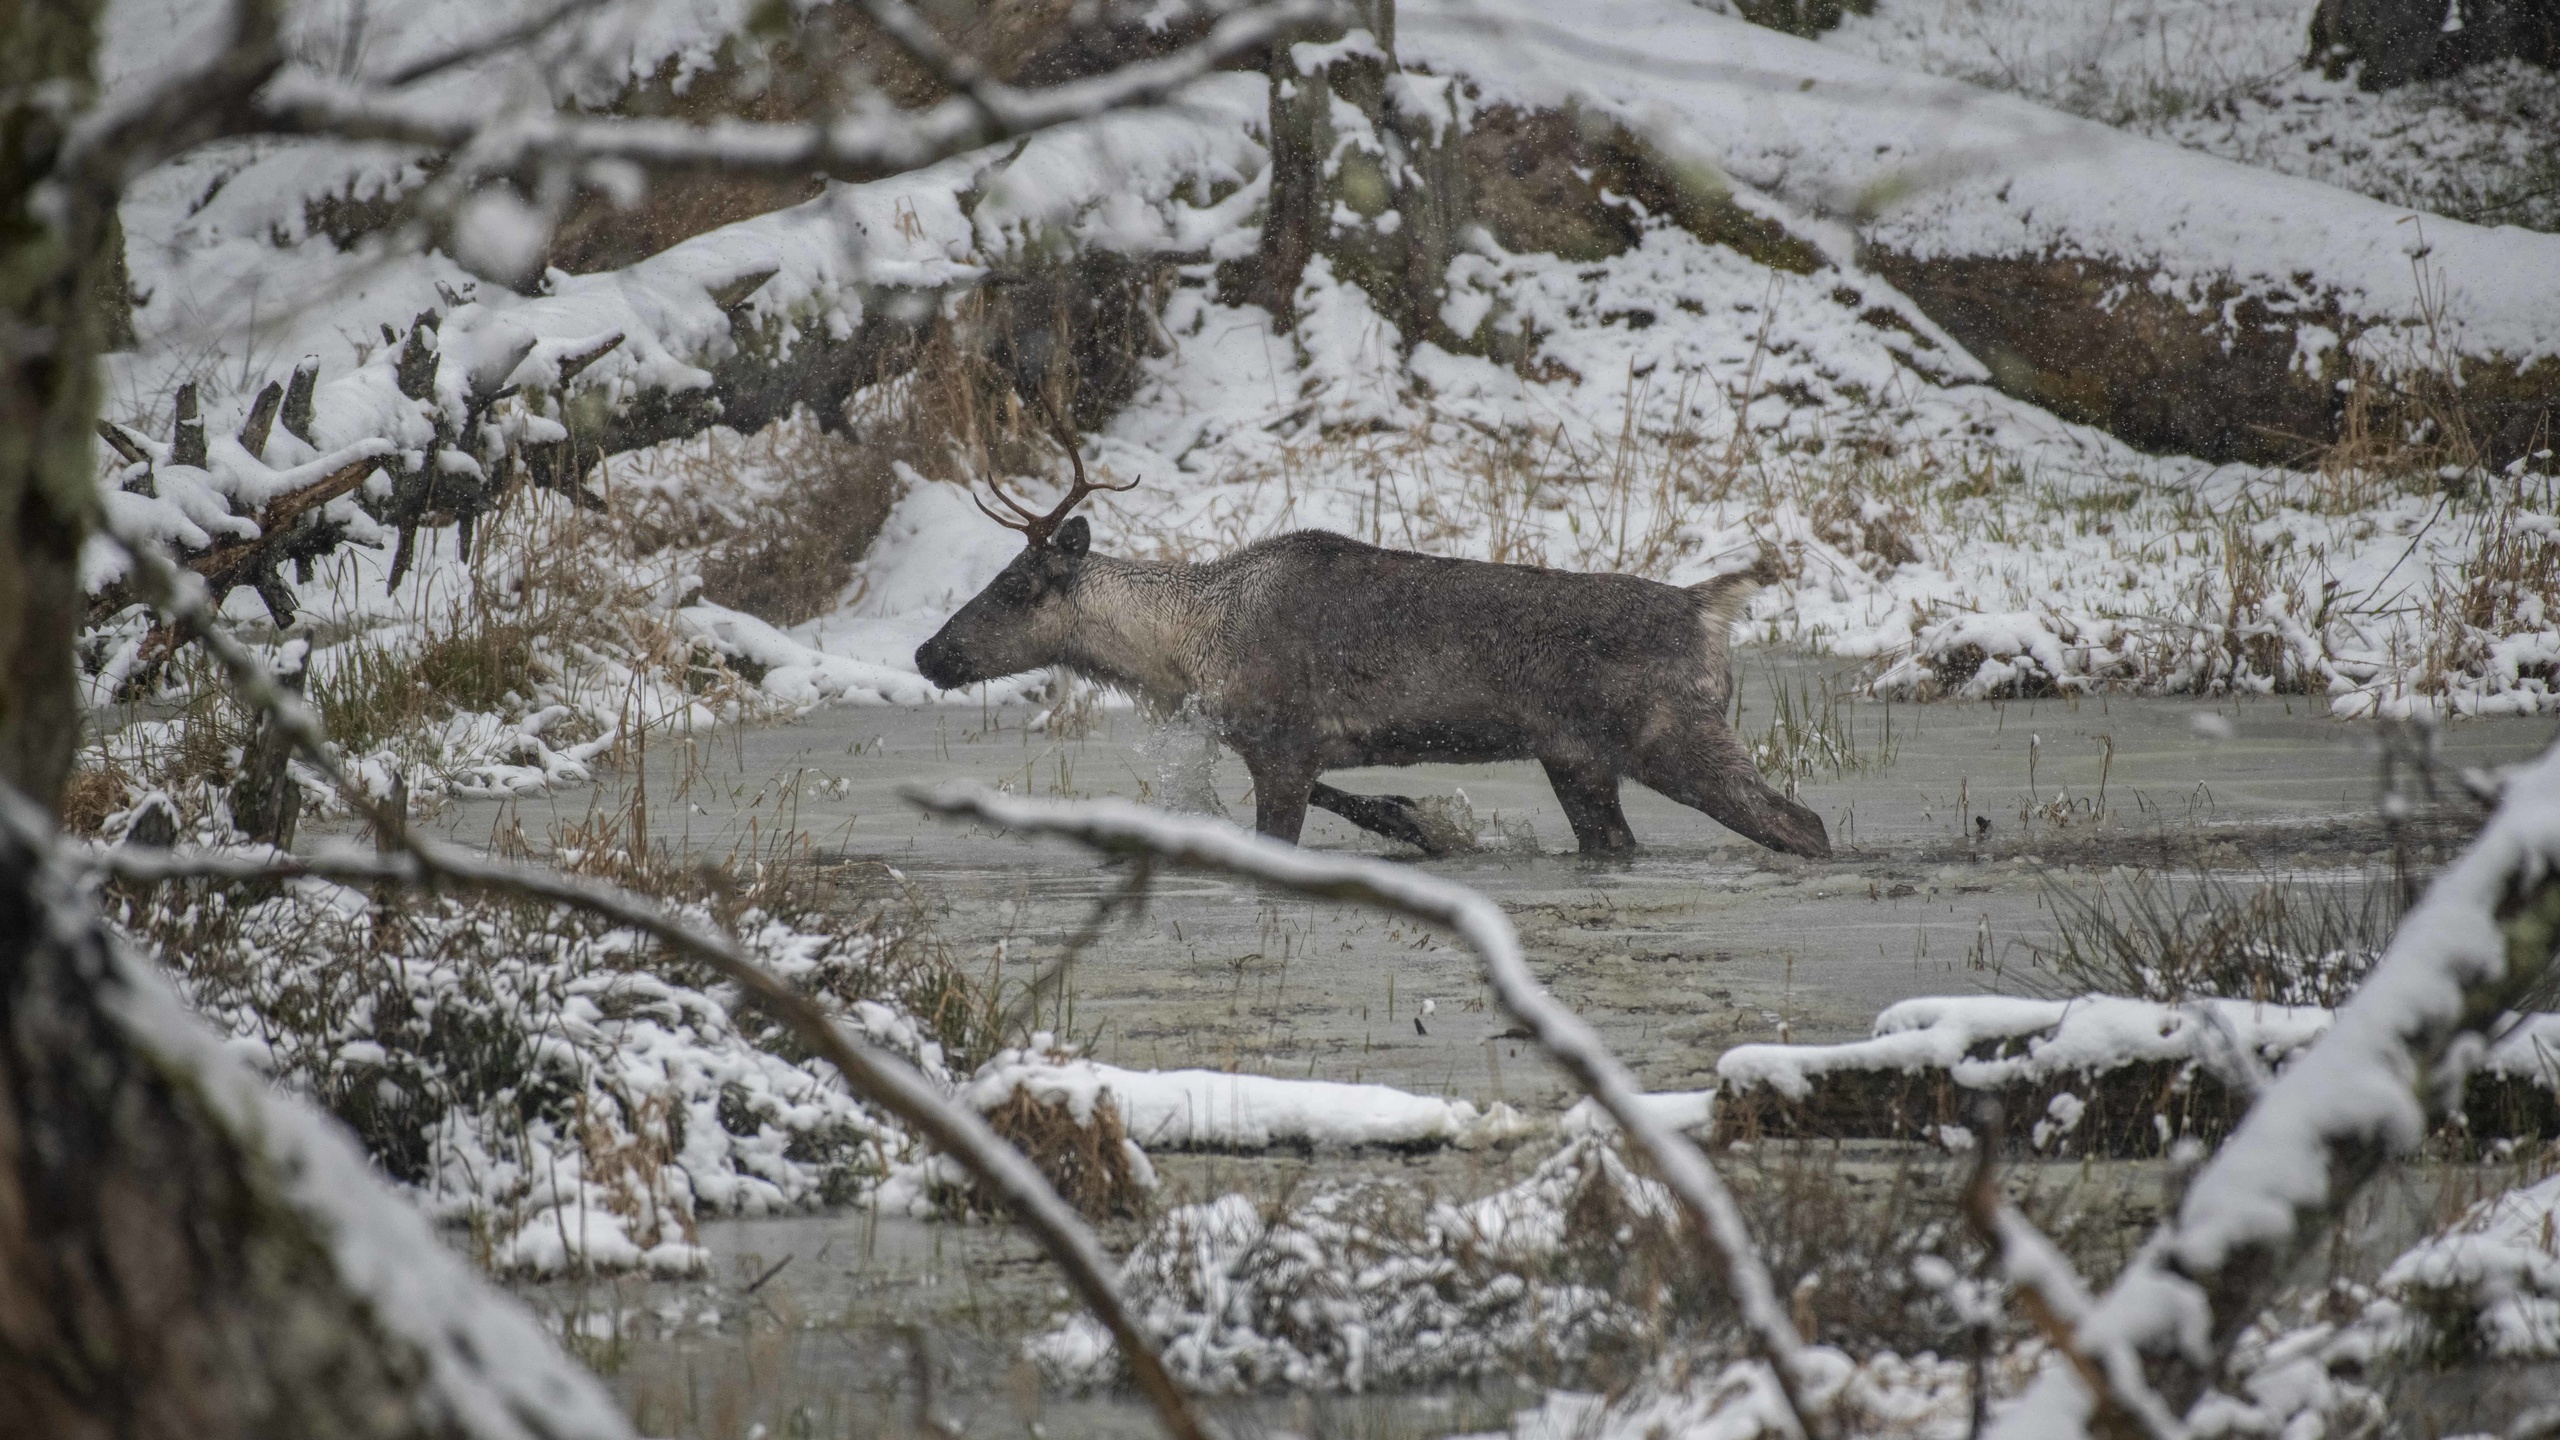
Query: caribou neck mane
x=1150, y=629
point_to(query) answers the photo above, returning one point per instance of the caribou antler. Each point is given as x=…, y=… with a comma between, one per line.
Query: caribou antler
x=1038, y=528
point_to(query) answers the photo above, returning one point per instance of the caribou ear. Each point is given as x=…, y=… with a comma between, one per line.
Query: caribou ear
x=1074, y=538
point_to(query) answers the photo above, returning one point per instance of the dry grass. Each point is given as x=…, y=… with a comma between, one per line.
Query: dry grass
x=371, y=692
x=1087, y=1162
x=777, y=873
x=1813, y=730
x=2280, y=940
x=2511, y=585
x=94, y=792
x=775, y=521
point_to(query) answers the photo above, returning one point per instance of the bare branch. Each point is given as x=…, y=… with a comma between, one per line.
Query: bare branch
x=1118, y=828
x=874, y=1074
x=2054, y=1296
x=532, y=27
x=863, y=146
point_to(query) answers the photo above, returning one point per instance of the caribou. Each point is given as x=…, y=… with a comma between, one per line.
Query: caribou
x=1312, y=652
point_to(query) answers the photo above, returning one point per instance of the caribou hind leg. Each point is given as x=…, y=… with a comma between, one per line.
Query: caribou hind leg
x=1589, y=794
x=1702, y=766
x=1394, y=816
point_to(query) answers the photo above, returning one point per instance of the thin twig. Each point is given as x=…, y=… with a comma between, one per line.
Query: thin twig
x=870, y=1072
x=1119, y=828
x=533, y=27
x=2051, y=1291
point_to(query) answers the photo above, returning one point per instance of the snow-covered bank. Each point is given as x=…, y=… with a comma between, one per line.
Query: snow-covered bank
x=1952, y=170
x=1985, y=546
x=574, y=1098
x=2230, y=78
x=1223, y=1110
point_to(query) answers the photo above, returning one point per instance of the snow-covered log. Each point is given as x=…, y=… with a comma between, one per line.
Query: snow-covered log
x=2096, y=1075
x=2183, y=302
x=736, y=326
x=2365, y=1094
x=1215, y=1110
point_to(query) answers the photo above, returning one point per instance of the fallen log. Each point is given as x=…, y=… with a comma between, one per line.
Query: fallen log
x=2097, y=1077
x=737, y=326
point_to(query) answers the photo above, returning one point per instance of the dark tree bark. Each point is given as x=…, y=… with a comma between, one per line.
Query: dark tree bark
x=53, y=262
x=158, y=1277
x=2392, y=42
x=153, y=1280
x=1389, y=222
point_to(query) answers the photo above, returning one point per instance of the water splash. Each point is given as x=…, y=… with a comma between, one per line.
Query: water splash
x=1178, y=762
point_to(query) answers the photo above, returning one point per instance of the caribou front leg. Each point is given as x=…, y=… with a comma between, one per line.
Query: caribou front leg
x=1281, y=785
x=1394, y=816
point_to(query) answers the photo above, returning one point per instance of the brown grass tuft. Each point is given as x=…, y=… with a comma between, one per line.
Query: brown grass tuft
x=91, y=795
x=1876, y=533
x=1087, y=1163
x=794, y=559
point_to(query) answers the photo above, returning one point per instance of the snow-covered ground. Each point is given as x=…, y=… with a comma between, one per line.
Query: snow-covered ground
x=2227, y=77
x=1967, y=541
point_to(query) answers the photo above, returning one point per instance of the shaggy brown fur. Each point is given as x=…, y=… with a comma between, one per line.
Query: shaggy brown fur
x=1311, y=652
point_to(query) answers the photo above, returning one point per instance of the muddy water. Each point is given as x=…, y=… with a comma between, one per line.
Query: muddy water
x=1951, y=822
x=1700, y=941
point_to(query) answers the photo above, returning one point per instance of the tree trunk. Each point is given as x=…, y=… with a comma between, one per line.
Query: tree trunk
x=54, y=258
x=152, y=1283
x=165, y=1267
x=1383, y=198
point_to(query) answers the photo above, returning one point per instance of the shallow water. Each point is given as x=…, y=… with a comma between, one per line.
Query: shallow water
x=1949, y=834
x=1700, y=941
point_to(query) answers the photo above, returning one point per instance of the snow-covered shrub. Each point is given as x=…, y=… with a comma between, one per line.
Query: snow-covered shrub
x=2485, y=1287
x=1373, y=1285
x=573, y=1095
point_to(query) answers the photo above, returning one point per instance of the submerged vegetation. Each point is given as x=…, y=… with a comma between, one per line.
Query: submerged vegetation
x=2271, y=939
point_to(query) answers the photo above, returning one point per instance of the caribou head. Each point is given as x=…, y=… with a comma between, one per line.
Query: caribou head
x=1023, y=619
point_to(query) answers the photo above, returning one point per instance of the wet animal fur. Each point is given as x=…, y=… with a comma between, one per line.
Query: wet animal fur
x=1312, y=652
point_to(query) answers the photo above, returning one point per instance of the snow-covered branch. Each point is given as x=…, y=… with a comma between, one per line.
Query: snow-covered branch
x=1119, y=828
x=2365, y=1094
x=871, y=142
x=2055, y=1297
x=873, y=1073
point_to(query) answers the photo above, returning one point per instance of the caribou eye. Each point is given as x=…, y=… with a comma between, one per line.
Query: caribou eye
x=1013, y=587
